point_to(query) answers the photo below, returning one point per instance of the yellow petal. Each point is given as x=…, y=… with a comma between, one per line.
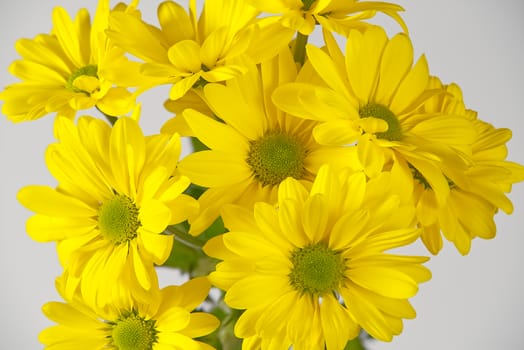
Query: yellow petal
x=337, y=325
x=117, y=102
x=180, y=88
x=47, y=201
x=396, y=61
x=65, y=32
x=413, y=85
x=206, y=168
x=157, y=245
x=172, y=320
x=337, y=132
x=315, y=217
x=200, y=324
x=236, y=114
x=154, y=216
x=142, y=272
x=215, y=135
x=43, y=228
x=175, y=22
x=370, y=155
x=185, y=56
x=249, y=291
x=330, y=73
x=144, y=43
x=363, y=55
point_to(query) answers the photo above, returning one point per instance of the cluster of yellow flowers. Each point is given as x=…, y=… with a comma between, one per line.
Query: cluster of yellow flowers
x=312, y=161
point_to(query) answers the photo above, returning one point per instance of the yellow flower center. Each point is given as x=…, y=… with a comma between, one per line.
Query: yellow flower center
x=118, y=219
x=74, y=82
x=275, y=157
x=133, y=332
x=317, y=269
x=375, y=110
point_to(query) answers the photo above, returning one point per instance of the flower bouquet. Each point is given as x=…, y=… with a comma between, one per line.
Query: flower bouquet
x=307, y=166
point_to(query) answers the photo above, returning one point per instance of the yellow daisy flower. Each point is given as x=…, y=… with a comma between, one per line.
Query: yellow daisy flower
x=117, y=192
x=471, y=206
x=63, y=72
x=372, y=98
x=164, y=322
x=184, y=51
x=334, y=15
x=255, y=146
x=312, y=270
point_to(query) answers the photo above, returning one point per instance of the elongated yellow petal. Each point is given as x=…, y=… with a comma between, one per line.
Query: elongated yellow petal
x=215, y=135
x=206, y=168
x=47, y=201
x=396, y=61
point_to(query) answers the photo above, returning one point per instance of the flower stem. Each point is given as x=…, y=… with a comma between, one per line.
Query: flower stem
x=300, y=48
x=184, y=237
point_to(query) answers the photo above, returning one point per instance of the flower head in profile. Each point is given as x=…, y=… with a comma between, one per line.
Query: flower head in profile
x=166, y=321
x=255, y=146
x=312, y=270
x=117, y=192
x=472, y=204
x=334, y=15
x=63, y=72
x=371, y=100
x=185, y=51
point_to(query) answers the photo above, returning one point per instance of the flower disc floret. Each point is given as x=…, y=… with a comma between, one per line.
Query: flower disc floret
x=375, y=110
x=89, y=70
x=275, y=157
x=133, y=332
x=118, y=219
x=317, y=269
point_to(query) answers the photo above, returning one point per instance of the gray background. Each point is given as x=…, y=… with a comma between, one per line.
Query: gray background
x=474, y=302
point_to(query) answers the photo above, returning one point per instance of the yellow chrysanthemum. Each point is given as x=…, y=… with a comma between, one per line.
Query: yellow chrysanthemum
x=312, y=270
x=64, y=72
x=372, y=98
x=255, y=147
x=334, y=15
x=117, y=191
x=164, y=322
x=471, y=206
x=184, y=51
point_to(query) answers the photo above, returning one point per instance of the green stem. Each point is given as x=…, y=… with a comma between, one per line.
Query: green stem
x=355, y=344
x=300, y=48
x=184, y=237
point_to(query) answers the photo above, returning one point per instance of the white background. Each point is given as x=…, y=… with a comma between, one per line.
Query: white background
x=473, y=302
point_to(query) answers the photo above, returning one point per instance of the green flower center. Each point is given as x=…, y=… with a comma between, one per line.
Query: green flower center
x=89, y=70
x=307, y=4
x=275, y=157
x=118, y=219
x=133, y=332
x=394, y=131
x=317, y=269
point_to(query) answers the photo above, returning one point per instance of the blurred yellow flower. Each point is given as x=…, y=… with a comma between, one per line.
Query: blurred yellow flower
x=339, y=16
x=63, y=71
x=185, y=51
x=478, y=193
